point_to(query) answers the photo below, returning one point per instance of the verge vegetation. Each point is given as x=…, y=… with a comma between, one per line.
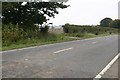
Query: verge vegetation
x=15, y=37
x=26, y=25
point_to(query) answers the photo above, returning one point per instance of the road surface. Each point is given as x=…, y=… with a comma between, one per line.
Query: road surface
x=112, y=72
x=75, y=59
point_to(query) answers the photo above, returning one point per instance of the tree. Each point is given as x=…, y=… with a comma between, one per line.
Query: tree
x=66, y=27
x=30, y=13
x=105, y=22
x=115, y=23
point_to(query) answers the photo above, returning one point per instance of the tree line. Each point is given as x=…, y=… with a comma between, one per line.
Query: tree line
x=108, y=22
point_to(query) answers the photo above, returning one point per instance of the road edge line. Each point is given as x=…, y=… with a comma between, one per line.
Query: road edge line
x=31, y=47
x=99, y=76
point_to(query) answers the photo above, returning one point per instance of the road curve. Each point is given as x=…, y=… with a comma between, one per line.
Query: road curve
x=75, y=59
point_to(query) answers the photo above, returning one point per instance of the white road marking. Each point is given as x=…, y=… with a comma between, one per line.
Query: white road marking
x=63, y=50
x=26, y=59
x=94, y=42
x=97, y=77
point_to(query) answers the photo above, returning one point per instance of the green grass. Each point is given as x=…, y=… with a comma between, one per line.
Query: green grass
x=29, y=43
x=59, y=39
x=87, y=35
x=14, y=37
x=100, y=35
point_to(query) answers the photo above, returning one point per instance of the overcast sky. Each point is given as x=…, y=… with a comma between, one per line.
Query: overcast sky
x=86, y=12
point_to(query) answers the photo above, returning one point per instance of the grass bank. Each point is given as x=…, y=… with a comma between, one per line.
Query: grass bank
x=64, y=37
x=37, y=42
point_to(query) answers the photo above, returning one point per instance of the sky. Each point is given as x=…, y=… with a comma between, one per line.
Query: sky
x=86, y=12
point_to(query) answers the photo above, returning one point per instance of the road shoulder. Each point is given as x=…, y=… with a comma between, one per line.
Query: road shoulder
x=112, y=71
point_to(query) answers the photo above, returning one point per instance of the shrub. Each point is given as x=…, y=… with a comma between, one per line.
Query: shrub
x=115, y=24
x=87, y=29
x=44, y=30
x=65, y=29
x=11, y=34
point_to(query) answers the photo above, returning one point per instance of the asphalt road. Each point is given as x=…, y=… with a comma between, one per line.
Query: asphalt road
x=75, y=59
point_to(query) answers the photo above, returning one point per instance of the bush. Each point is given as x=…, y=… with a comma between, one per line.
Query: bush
x=44, y=30
x=14, y=34
x=87, y=29
x=115, y=24
x=65, y=29
x=11, y=34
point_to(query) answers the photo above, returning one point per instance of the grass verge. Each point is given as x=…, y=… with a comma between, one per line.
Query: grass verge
x=32, y=43
x=61, y=38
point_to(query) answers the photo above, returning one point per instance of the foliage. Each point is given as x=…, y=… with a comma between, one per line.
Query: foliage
x=87, y=29
x=115, y=24
x=65, y=28
x=19, y=21
x=11, y=34
x=105, y=22
x=15, y=37
x=44, y=30
x=30, y=13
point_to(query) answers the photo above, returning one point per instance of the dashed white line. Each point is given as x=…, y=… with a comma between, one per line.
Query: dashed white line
x=26, y=59
x=63, y=50
x=94, y=42
x=106, y=68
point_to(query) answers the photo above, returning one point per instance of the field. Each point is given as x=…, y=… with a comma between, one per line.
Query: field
x=56, y=31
